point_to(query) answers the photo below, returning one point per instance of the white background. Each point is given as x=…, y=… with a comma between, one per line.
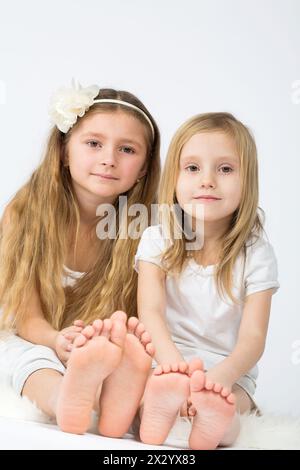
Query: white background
x=180, y=58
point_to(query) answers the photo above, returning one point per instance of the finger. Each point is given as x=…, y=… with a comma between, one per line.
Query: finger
x=79, y=323
x=88, y=332
x=79, y=341
x=71, y=329
x=71, y=336
x=64, y=345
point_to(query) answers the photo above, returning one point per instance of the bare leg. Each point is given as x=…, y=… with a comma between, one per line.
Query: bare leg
x=166, y=390
x=42, y=387
x=123, y=389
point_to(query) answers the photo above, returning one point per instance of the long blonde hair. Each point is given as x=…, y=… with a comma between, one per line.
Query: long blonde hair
x=34, y=245
x=245, y=222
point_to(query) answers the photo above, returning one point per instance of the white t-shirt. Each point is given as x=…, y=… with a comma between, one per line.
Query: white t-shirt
x=70, y=277
x=201, y=323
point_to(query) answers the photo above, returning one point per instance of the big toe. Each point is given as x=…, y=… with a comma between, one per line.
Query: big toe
x=119, y=315
x=197, y=382
x=195, y=364
x=118, y=333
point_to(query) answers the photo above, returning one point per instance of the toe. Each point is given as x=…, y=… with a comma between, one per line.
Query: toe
x=195, y=364
x=209, y=385
x=158, y=370
x=174, y=367
x=166, y=368
x=140, y=329
x=118, y=333
x=119, y=315
x=150, y=349
x=231, y=398
x=132, y=324
x=107, y=326
x=197, y=381
x=183, y=367
x=98, y=325
x=217, y=388
x=145, y=338
x=225, y=392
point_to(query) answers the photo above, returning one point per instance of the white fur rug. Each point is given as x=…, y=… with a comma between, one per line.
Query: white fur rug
x=264, y=432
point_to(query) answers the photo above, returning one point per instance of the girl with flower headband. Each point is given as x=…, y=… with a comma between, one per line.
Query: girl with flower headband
x=54, y=269
x=209, y=306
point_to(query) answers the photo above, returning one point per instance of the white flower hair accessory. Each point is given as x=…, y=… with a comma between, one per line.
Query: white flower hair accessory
x=67, y=104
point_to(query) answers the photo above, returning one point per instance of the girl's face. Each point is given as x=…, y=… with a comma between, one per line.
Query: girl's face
x=209, y=166
x=106, y=155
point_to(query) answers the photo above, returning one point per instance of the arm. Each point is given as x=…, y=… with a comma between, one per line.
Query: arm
x=151, y=312
x=33, y=326
x=250, y=343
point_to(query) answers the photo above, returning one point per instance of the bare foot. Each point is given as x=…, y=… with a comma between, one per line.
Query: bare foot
x=88, y=366
x=123, y=390
x=215, y=411
x=167, y=389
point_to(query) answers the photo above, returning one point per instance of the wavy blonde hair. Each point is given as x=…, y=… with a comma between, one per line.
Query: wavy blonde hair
x=245, y=221
x=35, y=242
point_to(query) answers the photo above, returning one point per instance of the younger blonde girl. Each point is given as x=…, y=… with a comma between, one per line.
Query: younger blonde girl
x=209, y=306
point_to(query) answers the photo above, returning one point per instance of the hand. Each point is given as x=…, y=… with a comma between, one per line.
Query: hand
x=217, y=375
x=64, y=342
x=79, y=323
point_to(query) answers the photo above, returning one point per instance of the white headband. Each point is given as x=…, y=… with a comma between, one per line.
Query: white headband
x=68, y=104
x=129, y=105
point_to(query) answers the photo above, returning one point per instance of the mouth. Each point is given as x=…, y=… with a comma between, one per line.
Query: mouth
x=208, y=198
x=105, y=176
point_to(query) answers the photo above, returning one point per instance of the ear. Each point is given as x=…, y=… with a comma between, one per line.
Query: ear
x=143, y=170
x=142, y=173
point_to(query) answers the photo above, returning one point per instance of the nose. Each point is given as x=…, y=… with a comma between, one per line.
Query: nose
x=207, y=180
x=108, y=157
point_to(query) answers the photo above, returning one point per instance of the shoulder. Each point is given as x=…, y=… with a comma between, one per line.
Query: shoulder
x=153, y=232
x=152, y=245
x=261, y=271
x=153, y=237
x=259, y=247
